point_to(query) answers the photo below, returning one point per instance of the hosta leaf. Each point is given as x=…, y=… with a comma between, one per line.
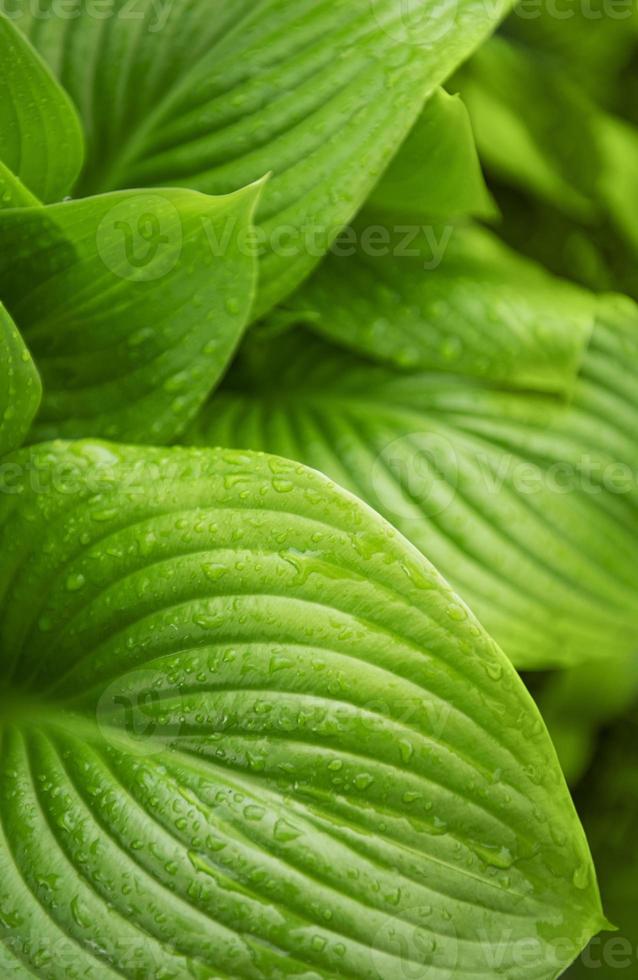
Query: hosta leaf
x=40, y=134
x=319, y=92
x=448, y=298
x=13, y=193
x=436, y=173
x=247, y=731
x=132, y=304
x=534, y=143
x=19, y=386
x=526, y=503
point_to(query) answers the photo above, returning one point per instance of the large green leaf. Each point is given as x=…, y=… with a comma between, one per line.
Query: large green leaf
x=448, y=298
x=20, y=388
x=526, y=503
x=213, y=96
x=132, y=304
x=40, y=134
x=248, y=731
x=436, y=173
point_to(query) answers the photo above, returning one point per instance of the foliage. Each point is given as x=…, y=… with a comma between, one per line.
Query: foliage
x=280, y=417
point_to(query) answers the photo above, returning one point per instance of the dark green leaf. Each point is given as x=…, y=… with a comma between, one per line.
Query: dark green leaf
x=132, y=304
x=20, y=388
x=40, y=135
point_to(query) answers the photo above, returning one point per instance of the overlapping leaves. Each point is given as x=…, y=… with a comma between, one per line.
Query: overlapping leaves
x=448, y=298
x=246, y=730
x=20, y=387
x=318, y=93
x=526, y=503
x=132, y=304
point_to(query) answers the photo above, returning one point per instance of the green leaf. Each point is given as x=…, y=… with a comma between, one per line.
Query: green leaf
x=598, y=57
x=576, y=704
x=619, y=178
x=247, y=731
x=448, y=298
x=319, y=92
x=13, y=193
x=526, y=503
x=20, y=388
x=40, y=134
x=132, y=304
x=534, y=143
x=436, y=173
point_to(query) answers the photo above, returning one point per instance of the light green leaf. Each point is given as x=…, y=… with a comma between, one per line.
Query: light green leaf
x=132, y=304
x=448, y=298
x=526, y=503
x=319, y=92
x=247, y=731
x=535, y=143
x=436, y=173
x=20, y=388
x=40, y=134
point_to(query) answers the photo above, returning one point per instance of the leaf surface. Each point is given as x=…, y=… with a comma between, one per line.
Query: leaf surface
x=248, y=731
x=40, y=134
x=319, y=92
x=448, y=298
x=533, y=143
x=527, y=503
x=436, y=173
x=13, y=193
x=132, y=304
x=20, y=388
